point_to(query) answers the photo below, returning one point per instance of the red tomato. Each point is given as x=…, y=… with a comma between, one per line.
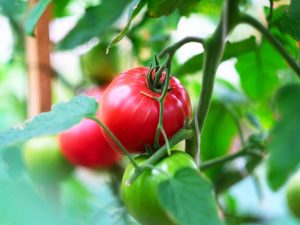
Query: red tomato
x=129, y=110
x=85, y=145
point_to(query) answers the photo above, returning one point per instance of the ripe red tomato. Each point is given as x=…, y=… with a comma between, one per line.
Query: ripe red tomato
x=85, y=145
x=129, y=110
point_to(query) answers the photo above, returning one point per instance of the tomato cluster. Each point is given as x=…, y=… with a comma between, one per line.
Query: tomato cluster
x=129, y=108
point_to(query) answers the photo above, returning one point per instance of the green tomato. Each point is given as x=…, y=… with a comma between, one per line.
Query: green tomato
x=141, y=197
x=44, y=161
x=293, y=194
x=98, y=66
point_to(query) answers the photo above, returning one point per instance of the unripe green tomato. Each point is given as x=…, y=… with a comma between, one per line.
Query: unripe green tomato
x=141, y=197
x=293, y=194
x=98, y=66
x=44, y=161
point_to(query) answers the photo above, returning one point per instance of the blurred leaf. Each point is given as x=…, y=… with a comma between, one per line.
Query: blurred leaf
x=35, y=15
x=61, y=117
x=12, y=156
x=235, y=49
x=60, y=7
x=258, y=71
x=287, y=19
x=166, y=7
x=20, y=205
x=184, y=193
x=94, y=23
x=284, y=142
x=134, y=9
x=218, y=134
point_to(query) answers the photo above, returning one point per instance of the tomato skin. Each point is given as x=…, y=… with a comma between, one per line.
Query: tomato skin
x=293, y=194
x=44, y=161
x=85, y=145
x=141, y=197
x=130, y=112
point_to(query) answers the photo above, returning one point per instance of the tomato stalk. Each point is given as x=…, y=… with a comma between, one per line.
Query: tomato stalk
x=178, y=137
x=115, y=139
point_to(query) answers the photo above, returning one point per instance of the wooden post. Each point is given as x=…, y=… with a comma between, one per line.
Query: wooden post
x=39, y=67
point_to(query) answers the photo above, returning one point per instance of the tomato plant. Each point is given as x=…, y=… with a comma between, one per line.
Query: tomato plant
x=85, y=145
x=243, y=119
x=141, y=197
x=44, y=161
x=293, y=194
x=129, y=109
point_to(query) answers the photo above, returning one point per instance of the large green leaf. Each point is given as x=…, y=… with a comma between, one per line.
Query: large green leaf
x=94, y=23
x=218, y=134
x=188, y=197
x=235, y=49
x=284, y=145
x=61, y=117
x=258, y=71
x=35, y=15
x=135, y=7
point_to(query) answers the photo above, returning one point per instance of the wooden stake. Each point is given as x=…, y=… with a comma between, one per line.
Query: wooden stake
x=39, y=68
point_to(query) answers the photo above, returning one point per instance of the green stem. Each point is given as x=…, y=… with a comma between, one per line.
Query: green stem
x=222, y=160
x=214, y=47
x=173, y=48
x=276, y=44
x=161, y=100
x=178, y=137
x=116, y=140
x=236, y=120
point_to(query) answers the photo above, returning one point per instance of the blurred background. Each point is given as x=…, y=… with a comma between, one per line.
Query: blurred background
x=79, y=60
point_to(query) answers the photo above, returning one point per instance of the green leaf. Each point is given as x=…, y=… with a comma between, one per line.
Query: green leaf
x=61, y=117
x=134, y=9
x=35, y=15
x=258, y=71
x=284, y=142
x=219, y=126
x=94, y=23
x=166, y=7
x=195, y=63
x=189, y=199
x=290, y=20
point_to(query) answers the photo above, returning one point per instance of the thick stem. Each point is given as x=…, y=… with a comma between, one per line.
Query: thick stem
x=116, y=140
x=276, y=44
x=178, y=137
x=214, y=47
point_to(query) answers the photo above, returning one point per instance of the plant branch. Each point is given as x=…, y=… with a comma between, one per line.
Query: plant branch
x=116, y=140
x=222, y=160
x=276, y=44
x=178, y=137
x=173, y=48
